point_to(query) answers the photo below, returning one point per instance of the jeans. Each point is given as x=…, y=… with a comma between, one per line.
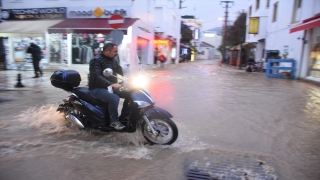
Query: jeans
x=36, y=67
x=113, y=101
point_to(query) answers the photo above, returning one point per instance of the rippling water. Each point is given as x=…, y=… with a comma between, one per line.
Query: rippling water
x=225, y=117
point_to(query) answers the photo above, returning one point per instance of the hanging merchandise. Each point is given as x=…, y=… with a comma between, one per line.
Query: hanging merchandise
x=64, y=53
x=55, y=50
x=4, y=53
x=83, y=48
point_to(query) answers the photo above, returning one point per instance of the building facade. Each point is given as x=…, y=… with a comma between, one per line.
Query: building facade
x=196, y=28
x=73, y=31
x=167, y=29
x=214, y=38
x=290, y=27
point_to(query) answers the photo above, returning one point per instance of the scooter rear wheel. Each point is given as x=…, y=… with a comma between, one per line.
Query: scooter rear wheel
x=166, y=128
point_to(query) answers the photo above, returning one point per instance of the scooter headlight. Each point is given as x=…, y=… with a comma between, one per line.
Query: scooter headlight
x=142, y=104
x=139, y=81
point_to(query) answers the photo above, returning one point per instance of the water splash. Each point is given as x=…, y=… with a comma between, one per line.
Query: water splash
x=48, y=121
x=44, y=118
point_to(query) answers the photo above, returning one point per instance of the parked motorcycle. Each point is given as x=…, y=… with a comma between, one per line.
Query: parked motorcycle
x=255, y=66
x=82, y=111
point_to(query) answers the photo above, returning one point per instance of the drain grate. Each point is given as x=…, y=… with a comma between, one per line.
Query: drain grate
x=208, y=171
x=195, y=174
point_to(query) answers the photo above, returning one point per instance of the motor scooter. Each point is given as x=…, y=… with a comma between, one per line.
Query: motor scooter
x=84, y=112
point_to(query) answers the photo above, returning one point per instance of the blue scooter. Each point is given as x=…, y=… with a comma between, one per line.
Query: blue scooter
x=82, y=111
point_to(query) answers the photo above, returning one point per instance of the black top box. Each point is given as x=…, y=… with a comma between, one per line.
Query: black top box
x=65, y=79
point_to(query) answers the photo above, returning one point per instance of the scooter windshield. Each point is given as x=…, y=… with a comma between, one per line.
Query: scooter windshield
x=131, y=65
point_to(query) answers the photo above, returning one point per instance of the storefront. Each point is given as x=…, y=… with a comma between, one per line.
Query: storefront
x=314, y=58
x=311, y=46
x=87, y=29
x=21, y=26
x=167, y=47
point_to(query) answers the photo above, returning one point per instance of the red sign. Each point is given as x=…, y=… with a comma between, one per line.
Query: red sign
x=116, y=21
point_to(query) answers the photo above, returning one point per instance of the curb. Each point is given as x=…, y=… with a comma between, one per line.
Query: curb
x=15, y=89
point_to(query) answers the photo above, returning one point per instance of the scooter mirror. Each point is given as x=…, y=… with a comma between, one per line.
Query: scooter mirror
x=108, y=72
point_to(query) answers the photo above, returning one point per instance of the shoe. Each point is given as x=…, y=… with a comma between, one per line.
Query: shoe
x=117, y=125
x=124, y=118
x=36, y=77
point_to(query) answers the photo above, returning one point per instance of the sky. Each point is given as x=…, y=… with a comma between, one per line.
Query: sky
x=208, y=11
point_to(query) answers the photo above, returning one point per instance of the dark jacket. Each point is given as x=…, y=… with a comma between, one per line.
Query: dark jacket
x=35, y=51
x=97, y=65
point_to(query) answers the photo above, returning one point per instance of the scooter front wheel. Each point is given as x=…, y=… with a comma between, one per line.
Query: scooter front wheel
x=166, y=129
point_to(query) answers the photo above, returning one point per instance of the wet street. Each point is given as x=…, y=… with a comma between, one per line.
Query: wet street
x=231, y=123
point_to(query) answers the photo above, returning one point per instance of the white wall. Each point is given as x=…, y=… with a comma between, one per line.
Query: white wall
x=262, y=13
x=277, y=34
x=144, y=10
x=214, y=41
x=167, y=21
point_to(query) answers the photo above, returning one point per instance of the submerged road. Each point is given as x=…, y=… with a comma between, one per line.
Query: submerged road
x=231, y=124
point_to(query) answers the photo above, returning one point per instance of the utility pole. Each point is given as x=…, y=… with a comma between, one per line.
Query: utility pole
x=225, y=4
x=180, y=4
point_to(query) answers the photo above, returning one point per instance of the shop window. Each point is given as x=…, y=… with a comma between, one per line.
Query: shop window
x=21, y=44
x=296, y=11
x=142, y=49
x=275, y=11
x=257, y=4
x=314, y=60
x=86, y=46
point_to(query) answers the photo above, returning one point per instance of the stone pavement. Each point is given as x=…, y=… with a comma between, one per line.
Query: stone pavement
x=9, y=78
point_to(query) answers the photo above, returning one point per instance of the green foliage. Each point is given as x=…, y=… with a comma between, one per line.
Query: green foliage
x=186, y=34
x=236, y=34
x=237, y=31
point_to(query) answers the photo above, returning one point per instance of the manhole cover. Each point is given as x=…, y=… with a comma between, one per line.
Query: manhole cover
x=229, y=171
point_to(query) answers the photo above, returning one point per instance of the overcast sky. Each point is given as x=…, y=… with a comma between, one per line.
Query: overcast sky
x=210, y=10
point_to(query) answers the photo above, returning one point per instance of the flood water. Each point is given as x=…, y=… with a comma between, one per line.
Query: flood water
x=226, y=118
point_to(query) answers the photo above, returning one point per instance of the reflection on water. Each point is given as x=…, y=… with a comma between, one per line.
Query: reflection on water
x=51, y=124
x=223, y=115
x=312, y=108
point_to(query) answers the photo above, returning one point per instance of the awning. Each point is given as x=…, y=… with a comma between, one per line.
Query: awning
x=235, y=48
x=307, y=24
x=88, y=26
x=248, y=45
x=26, y=27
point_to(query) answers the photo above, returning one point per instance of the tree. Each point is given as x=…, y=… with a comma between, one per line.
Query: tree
x=236, y=34
x=186, y=34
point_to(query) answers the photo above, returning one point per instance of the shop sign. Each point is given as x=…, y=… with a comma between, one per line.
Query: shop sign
x=34, y=13
x=254, y=25
x=97, y=12
x=160, y=41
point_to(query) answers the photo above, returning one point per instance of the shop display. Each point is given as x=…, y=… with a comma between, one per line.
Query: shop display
x=315, y=54
x=4, y=53
x=86, y=46
x=20, y=45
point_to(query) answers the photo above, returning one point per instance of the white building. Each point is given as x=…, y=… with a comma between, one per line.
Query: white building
x=286, y=26
x=167, y=25
x=195, y=26
x=214, y=38
x=73, y=31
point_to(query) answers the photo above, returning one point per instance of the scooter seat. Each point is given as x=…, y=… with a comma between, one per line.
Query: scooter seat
x=83, y=93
